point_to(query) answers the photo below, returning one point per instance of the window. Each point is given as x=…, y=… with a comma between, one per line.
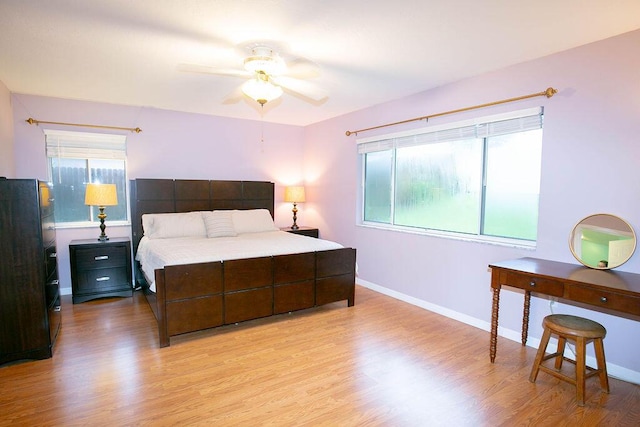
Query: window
x=78, y=158
x=479, y=178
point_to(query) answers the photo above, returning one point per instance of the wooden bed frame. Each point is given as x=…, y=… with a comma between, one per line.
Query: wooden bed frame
x=205, y=295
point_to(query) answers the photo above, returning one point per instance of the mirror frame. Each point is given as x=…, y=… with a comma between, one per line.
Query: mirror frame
x=574, y=230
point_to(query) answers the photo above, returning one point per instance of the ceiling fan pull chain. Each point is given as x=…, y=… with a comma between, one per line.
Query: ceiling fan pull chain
x=262, y=128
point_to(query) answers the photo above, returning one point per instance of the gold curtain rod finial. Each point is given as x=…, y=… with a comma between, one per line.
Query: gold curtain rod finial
x=550, y=92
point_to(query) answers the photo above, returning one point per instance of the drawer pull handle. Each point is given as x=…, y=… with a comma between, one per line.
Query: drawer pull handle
x=603, y=299
x=532, y=283
x=102, y=279
x=101, y=257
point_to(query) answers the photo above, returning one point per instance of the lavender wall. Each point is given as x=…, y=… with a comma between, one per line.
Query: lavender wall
x=7, y=164
x=590, y=160
x=171, y=145
x=590, y=165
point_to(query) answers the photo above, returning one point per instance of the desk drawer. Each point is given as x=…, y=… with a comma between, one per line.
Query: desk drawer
x=534, y=284
x=604, y=299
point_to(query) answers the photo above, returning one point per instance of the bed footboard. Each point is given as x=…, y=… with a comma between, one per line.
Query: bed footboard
x=188, y=298
x=336, y=276
x=200, y=296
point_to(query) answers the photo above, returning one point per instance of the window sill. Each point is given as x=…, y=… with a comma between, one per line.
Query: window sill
x=488, y=240
x=79, y=225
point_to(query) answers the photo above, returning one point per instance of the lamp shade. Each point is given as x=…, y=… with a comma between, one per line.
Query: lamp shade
x=294, y=194
x=101, y=195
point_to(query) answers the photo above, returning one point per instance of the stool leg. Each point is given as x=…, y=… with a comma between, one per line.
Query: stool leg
x=544, y=341
x=561, y=344
x=602, y=364
x=580, y=369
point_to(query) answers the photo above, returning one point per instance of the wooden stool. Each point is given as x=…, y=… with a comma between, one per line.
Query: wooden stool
x=582, y=332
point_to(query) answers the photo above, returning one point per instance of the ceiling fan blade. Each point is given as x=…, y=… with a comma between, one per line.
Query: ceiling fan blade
x=234, y=96
x=301, y=68
x=204, y=69
x=299, y=87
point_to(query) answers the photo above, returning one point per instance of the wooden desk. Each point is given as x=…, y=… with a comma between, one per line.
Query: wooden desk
x=609, y=291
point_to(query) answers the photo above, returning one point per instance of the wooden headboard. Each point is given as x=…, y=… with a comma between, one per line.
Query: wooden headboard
x=185, y=195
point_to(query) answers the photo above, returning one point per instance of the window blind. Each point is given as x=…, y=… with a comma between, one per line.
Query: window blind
x=84, y=145
x=519, y=121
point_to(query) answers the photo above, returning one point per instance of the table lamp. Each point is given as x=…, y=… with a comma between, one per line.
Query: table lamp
x=101, y=195
x=294, y=194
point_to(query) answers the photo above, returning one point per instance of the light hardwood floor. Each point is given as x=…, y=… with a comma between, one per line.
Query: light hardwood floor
x=382, y=362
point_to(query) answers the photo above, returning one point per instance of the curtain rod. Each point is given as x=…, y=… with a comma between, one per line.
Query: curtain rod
x=32, y=121
x=548, y=93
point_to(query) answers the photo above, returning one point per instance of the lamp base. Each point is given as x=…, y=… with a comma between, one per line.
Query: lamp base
x=101, y=216
x=295, y=217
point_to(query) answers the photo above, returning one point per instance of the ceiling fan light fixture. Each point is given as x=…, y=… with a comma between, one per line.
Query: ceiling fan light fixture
x=261, y=90
x=264, y=60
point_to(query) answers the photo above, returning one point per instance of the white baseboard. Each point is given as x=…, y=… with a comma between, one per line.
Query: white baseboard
x=614, y=371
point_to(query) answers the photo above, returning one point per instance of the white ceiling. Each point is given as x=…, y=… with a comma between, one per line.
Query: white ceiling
x=369, y=52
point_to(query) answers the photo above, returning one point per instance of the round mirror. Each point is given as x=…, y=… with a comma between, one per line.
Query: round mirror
x=602, y=241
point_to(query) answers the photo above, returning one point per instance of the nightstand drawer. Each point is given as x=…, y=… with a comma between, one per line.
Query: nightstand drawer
x=102, y=279
x=108, y=256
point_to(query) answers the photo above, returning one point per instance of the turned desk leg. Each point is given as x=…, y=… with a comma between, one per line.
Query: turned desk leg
x=525, y=317
x=494, y=324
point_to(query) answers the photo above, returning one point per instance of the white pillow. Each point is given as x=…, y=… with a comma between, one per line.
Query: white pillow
x=219, y=224
x=164, y=226
x=252, y=221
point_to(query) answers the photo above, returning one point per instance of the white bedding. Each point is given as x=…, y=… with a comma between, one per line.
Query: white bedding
x=157, y=253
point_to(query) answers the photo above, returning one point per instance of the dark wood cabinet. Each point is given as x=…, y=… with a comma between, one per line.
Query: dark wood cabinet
x=100, y=268
x=305, y=231
x=29, y=289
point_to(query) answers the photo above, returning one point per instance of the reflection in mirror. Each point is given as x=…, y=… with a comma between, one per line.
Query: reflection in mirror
x=602, y=241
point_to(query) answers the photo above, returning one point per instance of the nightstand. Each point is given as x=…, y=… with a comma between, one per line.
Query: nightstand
x=100, y=269
x=305, y=231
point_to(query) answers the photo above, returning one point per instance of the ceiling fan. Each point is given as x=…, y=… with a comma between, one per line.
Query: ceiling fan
x=269, y=75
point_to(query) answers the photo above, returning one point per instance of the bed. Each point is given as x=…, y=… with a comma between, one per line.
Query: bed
x=187, y=296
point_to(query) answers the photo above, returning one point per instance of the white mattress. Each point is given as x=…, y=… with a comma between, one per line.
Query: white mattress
x=157, y=253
